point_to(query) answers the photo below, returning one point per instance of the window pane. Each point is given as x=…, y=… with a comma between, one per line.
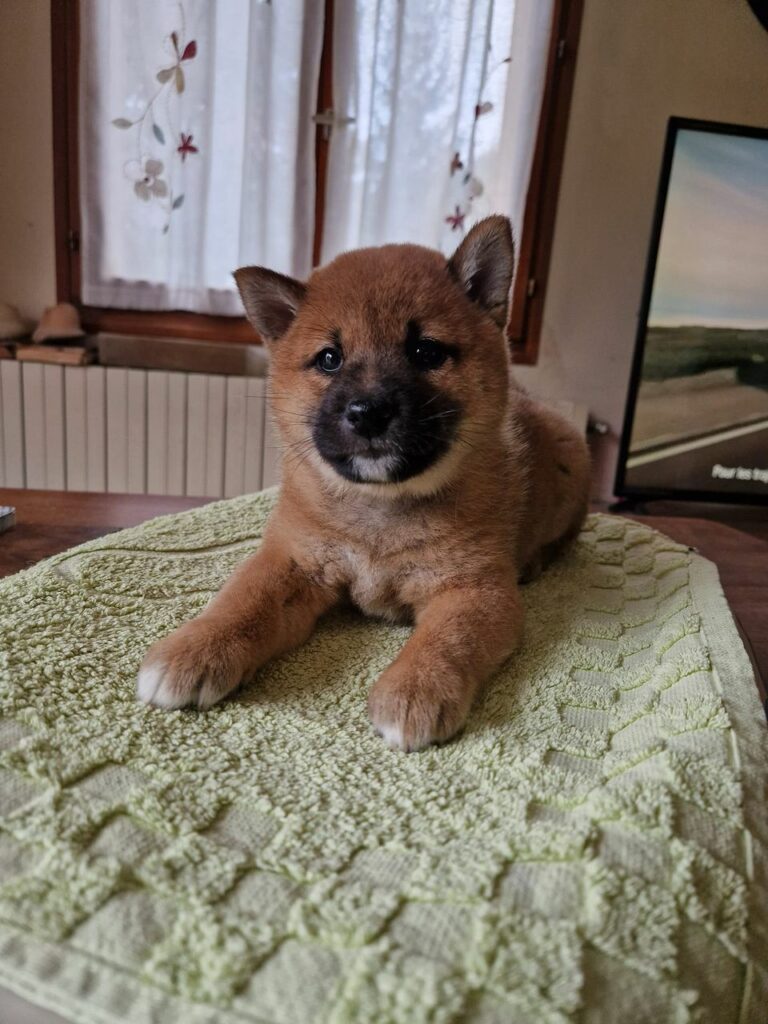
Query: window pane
x=197, y=147
x=445, y=98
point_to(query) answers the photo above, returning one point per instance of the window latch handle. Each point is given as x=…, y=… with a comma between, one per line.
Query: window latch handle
x=328, y=119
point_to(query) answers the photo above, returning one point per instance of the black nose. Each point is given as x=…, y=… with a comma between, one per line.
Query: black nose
x=370, y=416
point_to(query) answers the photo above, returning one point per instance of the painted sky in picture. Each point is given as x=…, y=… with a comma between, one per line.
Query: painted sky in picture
x=712, y=266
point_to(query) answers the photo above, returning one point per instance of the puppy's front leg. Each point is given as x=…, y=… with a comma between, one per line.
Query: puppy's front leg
x=269, y=605
x=461, y=637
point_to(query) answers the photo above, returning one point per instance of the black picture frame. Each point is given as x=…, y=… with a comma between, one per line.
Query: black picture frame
x=621, y=488
x=760, y=11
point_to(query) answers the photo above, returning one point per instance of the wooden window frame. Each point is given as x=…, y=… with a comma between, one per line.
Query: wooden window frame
x=534, y=242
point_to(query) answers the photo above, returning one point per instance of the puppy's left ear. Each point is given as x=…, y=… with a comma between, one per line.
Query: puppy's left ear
x=271, y=300
x=484, y=263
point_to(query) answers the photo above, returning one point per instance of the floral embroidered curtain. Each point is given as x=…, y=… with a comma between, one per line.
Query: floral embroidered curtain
x=197, y=139
x=445, y=99
x=196, y=148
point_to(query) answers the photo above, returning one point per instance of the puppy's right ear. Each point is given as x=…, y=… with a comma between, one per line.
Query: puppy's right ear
x=271, y=300
x=484, y=263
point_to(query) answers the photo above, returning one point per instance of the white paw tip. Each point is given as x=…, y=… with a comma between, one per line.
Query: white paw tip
x=392, y=736
x=150, y=688
x=148, y=682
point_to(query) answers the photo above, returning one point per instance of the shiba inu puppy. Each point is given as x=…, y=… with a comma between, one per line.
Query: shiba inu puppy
x=419, y=481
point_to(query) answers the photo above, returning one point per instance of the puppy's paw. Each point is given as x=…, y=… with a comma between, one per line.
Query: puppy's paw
x=412, y=711
x=198, y=664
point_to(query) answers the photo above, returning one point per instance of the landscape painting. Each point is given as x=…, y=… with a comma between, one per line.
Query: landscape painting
x=701, y=418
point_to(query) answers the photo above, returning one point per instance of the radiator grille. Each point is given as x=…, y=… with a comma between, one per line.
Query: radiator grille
x=100, y=428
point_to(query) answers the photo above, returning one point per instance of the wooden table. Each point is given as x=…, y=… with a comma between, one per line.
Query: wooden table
x=51, y=521
x=48, y=522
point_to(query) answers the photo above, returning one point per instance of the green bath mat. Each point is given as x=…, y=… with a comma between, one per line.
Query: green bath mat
x=592, y=848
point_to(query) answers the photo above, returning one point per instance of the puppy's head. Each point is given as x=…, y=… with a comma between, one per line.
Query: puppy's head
x=389, y=366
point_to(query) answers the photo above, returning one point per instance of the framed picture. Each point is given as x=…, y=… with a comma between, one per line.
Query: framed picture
x=696, y=422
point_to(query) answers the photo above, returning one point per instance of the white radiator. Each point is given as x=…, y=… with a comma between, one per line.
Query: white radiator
x=95, y=428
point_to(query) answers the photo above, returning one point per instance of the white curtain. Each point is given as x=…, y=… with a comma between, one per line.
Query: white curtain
x=196, y=148
x=445, y=98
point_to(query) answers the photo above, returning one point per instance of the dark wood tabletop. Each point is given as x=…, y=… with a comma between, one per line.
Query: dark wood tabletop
x=48, y=522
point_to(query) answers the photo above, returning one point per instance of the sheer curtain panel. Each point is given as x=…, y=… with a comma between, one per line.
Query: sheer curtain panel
x=445, y=98
x=196, y=147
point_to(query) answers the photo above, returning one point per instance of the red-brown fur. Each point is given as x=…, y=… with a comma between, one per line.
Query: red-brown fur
x=445, y=549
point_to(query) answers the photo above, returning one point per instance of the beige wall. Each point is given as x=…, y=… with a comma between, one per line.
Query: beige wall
x=640, y=61
x=27, y=264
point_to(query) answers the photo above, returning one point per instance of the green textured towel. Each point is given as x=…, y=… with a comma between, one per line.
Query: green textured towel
x=591, y=849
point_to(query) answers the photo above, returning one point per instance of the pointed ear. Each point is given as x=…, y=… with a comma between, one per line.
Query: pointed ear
x=484, y=263
x=271, y=300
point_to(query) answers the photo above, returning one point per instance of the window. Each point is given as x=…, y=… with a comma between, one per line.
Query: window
x=193, y=137
x=196, y=140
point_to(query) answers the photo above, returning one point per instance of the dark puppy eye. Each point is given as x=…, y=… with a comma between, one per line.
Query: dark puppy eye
x=329, y=360
x=426, y=354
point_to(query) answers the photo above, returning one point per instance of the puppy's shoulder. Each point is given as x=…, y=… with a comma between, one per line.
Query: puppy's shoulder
x=532, y=418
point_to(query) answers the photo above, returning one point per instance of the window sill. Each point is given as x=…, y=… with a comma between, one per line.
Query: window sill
x=171, y=324
x=187, y=355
